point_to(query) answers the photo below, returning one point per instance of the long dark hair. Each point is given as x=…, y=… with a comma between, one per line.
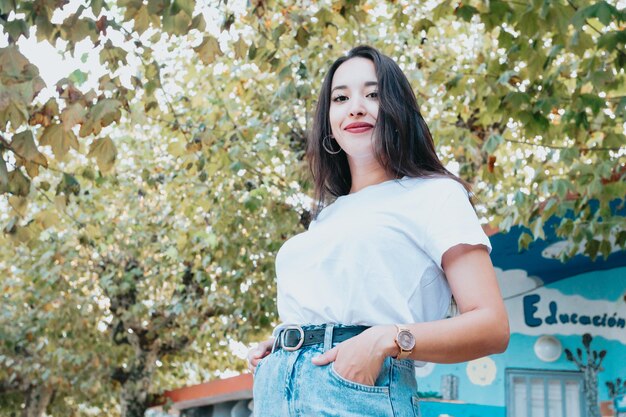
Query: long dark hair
x=403, y=144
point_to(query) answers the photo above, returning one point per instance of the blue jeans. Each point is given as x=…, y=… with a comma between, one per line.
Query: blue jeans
x=287, y=384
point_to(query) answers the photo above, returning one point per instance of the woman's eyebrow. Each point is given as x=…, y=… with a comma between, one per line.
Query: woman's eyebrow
x=343, y=87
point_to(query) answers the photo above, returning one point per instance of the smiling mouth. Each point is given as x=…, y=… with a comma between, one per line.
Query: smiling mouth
x=358, y=127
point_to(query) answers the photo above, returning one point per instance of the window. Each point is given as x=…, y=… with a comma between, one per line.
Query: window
x=535, y=393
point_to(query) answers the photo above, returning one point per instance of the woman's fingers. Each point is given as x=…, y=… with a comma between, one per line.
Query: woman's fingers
x=326, y=357
x=259, y=352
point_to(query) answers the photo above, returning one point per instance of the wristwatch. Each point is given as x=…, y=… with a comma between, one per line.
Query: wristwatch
x=405, y=341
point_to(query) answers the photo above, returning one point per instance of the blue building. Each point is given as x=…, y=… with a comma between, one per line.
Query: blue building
x=551, y=307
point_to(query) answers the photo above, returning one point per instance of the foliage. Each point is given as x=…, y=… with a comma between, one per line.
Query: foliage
x=616, y=388
x=157, y=196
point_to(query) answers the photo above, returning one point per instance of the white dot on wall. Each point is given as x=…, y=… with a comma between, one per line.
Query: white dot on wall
x=422, y=371
x=548, y=348
x=481, y=371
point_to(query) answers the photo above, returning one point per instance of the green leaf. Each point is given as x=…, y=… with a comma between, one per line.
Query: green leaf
x=19, y=184
x=591, y=248
x=302, y=37
x=506, y=76
x=96, y=7
x=614, y=140
x=113, y=56
x=492, y=143
x=68, y=185
x=600, y=10
x=610, y=40
x=621, y=108
x=422, y=24
x=78, y=77
x=16, y=28
x=466, y=12
x=592, y=101
x=59, y=140
x=105, y=153
x=176, y=24
x=528, y=24
x=442, y=10
x=517, y=99
x=4, y=176
x=186, y=6
x=524, y=241
x=537, y=228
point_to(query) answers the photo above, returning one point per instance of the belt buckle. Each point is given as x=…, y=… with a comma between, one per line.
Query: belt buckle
x=284, y=332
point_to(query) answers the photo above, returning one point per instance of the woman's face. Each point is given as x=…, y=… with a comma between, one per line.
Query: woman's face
x=354, y=107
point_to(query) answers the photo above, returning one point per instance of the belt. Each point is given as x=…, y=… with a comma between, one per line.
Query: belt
x=294, y=337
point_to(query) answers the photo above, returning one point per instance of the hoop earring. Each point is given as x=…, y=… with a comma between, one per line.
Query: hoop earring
x=329, y=148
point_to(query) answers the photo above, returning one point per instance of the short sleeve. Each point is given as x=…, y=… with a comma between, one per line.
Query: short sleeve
x=452, y=221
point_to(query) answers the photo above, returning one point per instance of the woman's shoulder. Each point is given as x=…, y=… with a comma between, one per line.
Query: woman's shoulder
x=439, y=185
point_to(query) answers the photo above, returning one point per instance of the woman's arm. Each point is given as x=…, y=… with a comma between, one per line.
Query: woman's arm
x=481, y=329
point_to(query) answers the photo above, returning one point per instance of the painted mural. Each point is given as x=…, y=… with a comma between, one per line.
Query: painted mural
x=547, y=318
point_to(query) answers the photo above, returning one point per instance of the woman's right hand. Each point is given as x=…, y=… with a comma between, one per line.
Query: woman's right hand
x=259, y=352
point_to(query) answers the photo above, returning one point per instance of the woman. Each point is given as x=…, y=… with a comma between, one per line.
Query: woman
x=363, y=294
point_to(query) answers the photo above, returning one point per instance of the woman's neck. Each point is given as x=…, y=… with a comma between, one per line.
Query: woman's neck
x=366, y=174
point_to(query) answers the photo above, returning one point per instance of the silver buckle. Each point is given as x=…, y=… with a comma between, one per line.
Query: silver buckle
x=282, y=338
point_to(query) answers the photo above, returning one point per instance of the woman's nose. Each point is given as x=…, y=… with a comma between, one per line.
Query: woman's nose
x=356, y=107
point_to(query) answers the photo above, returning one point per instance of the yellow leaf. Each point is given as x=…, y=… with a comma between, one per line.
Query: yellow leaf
x=176, y=148
x=31, y=168
x=102, y=114
x=59, y=140
x=241, y=48
x=60, y=202
x=18, y=204
x=208, y=50
x=105, y=153
x=47, y=218
x=18, y=183
x=14, y=112
x=72, y=115
x=24, y=145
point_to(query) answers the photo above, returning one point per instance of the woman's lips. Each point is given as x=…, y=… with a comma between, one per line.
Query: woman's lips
x=358, y=127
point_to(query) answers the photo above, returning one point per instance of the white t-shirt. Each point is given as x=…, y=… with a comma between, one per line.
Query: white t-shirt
x=374, y=257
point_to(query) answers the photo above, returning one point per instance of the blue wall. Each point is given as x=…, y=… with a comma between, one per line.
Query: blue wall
x=607, y=288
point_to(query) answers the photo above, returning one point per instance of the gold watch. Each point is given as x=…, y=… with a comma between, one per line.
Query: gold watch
x=405, y=341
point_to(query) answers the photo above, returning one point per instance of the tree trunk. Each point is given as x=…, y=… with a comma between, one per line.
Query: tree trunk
x=37, y=399
x=135, y=396
x=591, y=393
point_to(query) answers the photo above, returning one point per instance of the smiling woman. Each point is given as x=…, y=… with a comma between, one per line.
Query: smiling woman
x=353, y=113
x=363, y=294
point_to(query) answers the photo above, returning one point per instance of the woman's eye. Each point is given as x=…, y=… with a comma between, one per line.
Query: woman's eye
x=373, y=94
x=338, y=99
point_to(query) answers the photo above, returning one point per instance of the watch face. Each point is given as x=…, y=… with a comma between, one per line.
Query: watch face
x=406, y=340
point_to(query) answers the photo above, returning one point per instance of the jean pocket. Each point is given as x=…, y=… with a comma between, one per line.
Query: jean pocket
x=355, y=385
x=416, y=405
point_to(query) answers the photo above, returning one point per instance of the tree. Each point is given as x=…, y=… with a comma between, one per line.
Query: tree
x=51, y=348
x=179, y=183
x=590, y=369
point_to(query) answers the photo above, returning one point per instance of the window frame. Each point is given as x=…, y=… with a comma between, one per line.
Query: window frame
x=546, y=375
